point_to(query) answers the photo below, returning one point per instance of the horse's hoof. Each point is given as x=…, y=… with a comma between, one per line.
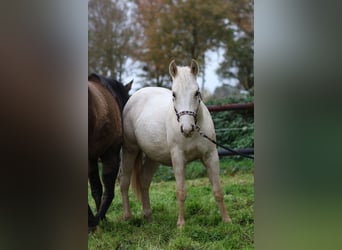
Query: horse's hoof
x=180, y=225
x=227, y=220
x=91, y=229
x=148, y=218
x=104, y=218
x=126, y=217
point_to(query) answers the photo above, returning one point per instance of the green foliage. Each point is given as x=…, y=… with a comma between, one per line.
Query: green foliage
x=239, y=53
x=196, y=169
x=177, y=30
x=239, y=47
x=234, y=128
x=156, y=31
x=203, y=229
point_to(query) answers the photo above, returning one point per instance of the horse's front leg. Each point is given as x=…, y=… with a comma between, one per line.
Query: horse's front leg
x=211, y=162
x=179, y=170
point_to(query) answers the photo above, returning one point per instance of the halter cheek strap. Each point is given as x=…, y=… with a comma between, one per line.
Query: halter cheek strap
x=187, y=112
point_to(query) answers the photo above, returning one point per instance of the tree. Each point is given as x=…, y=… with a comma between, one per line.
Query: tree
x=239, y=48
x=110, y=37
x=177, y=29
x=225, y=91
x=153, y=46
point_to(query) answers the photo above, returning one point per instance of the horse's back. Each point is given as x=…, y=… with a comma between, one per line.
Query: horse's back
x=145, y=117
x=148, y=102
x=105, y=119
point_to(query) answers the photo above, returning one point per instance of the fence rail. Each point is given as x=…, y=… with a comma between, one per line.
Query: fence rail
x=246, y=151
x=233, y=106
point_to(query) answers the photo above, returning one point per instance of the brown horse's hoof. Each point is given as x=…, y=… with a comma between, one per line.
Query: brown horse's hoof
x=91, y=229
x=103, y=218
x=148, y=219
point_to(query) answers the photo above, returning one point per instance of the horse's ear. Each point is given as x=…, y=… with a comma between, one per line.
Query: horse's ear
x=173, y=69
x=128, y=86
x=194, y=67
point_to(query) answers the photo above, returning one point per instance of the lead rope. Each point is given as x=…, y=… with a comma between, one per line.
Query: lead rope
x=226, y=148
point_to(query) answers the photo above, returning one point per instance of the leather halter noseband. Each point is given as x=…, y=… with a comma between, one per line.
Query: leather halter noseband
x=186, y=112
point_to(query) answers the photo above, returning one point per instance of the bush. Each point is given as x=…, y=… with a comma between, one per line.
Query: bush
x=195, y=169
x=234, y=128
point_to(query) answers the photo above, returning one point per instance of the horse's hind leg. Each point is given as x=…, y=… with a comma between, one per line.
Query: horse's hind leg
x=129, y=158
x=95, y=182
x=211, y=163
x=146, y=174
x=92, y=221
x=110, y=161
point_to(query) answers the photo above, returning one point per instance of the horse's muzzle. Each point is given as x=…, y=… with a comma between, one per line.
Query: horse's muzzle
x=187, y=132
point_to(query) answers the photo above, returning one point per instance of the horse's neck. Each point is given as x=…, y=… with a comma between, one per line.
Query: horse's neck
x=204, y=120
x=200, y=114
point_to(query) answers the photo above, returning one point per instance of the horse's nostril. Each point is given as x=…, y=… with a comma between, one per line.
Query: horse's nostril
x=187, y=131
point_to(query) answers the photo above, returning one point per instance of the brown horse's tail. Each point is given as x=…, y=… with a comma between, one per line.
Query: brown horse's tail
x=135, y=180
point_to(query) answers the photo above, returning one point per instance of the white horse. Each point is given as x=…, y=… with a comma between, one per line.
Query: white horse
x=161, y=127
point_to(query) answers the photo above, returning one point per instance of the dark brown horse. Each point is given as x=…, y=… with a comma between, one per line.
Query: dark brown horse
x=106, y=99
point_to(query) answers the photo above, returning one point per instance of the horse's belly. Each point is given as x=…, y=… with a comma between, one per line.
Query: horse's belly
x=159, y=156
x=154, y=145
x=157, y=148
x=144, y=119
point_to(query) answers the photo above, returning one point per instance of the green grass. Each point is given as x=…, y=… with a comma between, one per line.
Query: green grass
x=203, y=226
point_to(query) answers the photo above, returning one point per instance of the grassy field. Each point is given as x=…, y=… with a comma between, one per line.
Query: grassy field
x=203, y=227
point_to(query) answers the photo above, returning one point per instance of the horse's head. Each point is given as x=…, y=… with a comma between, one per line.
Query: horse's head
x=186, y=95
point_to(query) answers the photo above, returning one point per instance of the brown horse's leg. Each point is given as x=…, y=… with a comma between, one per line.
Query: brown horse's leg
x=128, y=160
x=148, y=170
x=179, y=169
x=211, y=163
x=110, y=161
x=92, y=221
x=95, y=182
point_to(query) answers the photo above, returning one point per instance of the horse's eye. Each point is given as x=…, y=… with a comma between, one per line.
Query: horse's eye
x=197, y=93
x=174, y=94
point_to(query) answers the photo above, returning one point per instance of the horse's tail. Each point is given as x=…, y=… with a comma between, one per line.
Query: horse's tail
x=135, y=180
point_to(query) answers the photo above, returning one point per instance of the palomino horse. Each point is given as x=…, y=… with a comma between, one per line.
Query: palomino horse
x=161, y=127
x=106, y=99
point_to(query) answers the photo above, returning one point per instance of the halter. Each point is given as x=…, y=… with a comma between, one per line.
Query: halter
x=187, y=112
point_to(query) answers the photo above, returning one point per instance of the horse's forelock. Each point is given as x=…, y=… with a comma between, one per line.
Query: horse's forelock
x=184, y=78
